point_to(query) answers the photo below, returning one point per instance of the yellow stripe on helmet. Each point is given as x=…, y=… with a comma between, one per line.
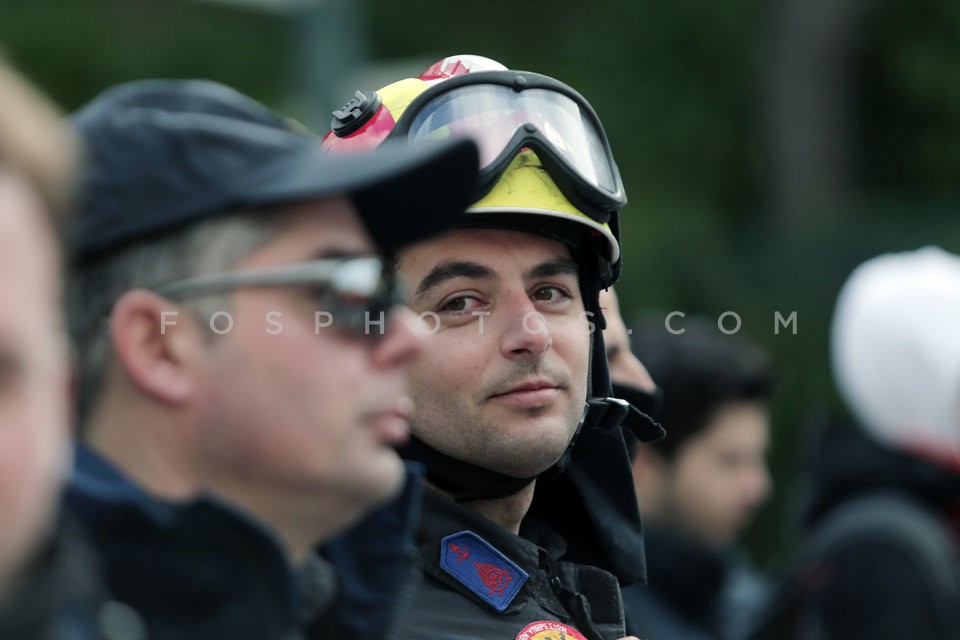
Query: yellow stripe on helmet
x=398, y=96
x=525, y=188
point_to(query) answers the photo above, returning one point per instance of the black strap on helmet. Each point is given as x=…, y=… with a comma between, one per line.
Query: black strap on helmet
x=644, y=407
x=647, y=402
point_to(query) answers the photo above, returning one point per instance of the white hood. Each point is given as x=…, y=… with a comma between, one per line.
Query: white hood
x=895, y=348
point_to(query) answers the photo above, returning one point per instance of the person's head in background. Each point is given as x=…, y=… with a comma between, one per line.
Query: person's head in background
x=895, y=351
x=625, y=368
x=36, y=161
x=706, y=478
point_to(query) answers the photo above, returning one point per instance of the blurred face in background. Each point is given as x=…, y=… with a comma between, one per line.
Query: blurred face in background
x=718, y=478
x=33, y=374
x=625, y=367
x=307, y=416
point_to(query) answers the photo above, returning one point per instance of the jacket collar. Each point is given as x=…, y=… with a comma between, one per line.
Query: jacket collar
x=203, y=551
x=466, y=551
x=443, y=517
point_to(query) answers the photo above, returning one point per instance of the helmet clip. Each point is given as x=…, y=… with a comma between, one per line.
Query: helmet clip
x=357, y=111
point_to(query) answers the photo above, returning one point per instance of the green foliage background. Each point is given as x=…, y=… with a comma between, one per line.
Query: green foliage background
x=679, y=86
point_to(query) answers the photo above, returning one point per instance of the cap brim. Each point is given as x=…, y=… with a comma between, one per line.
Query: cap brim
x=404, y=193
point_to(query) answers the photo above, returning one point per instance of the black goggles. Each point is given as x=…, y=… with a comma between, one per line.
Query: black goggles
x=507, y=111
x=357, y=293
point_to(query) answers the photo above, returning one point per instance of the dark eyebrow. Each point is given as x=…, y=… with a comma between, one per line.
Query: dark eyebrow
x=558, y=267
x=448, y=271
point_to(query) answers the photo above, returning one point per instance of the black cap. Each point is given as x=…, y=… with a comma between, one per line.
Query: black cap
x=161, y=154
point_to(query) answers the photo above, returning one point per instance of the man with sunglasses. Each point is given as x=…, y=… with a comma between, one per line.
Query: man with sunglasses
x=523, y=535
x=241, y=351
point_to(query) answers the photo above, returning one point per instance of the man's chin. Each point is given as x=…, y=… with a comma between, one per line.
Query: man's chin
x=531, y=465
x=384, y=481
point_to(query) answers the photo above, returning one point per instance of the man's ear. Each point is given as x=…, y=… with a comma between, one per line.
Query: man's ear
x=157, y=344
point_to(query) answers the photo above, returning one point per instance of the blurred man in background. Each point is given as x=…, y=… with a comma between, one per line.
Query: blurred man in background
x=38, y=562
x=881, y=558
x=699, y=486
x=241, y=350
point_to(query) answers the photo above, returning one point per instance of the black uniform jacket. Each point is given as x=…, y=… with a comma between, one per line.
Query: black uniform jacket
x=481, y=581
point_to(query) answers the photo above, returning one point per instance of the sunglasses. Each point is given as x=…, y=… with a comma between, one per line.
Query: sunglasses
x=355, y=292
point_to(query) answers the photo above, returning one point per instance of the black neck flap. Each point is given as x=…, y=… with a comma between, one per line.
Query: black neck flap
x=464, y=481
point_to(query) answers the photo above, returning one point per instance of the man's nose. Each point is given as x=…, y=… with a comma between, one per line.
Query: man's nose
x=526, y=333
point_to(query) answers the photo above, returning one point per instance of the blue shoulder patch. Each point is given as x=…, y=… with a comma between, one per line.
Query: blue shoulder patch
x=480, y=567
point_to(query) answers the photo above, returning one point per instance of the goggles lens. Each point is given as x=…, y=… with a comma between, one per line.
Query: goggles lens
x=503, y=120
x=356, y=292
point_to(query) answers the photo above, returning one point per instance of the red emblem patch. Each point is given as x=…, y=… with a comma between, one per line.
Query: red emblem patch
x=488, y=574
x=493, y=577
x=549, y=630
x=461, y=553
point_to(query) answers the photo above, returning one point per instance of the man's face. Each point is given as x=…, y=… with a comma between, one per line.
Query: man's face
x=297, y=412
x=502, y=383
x=719, y=477
x=34, y=417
